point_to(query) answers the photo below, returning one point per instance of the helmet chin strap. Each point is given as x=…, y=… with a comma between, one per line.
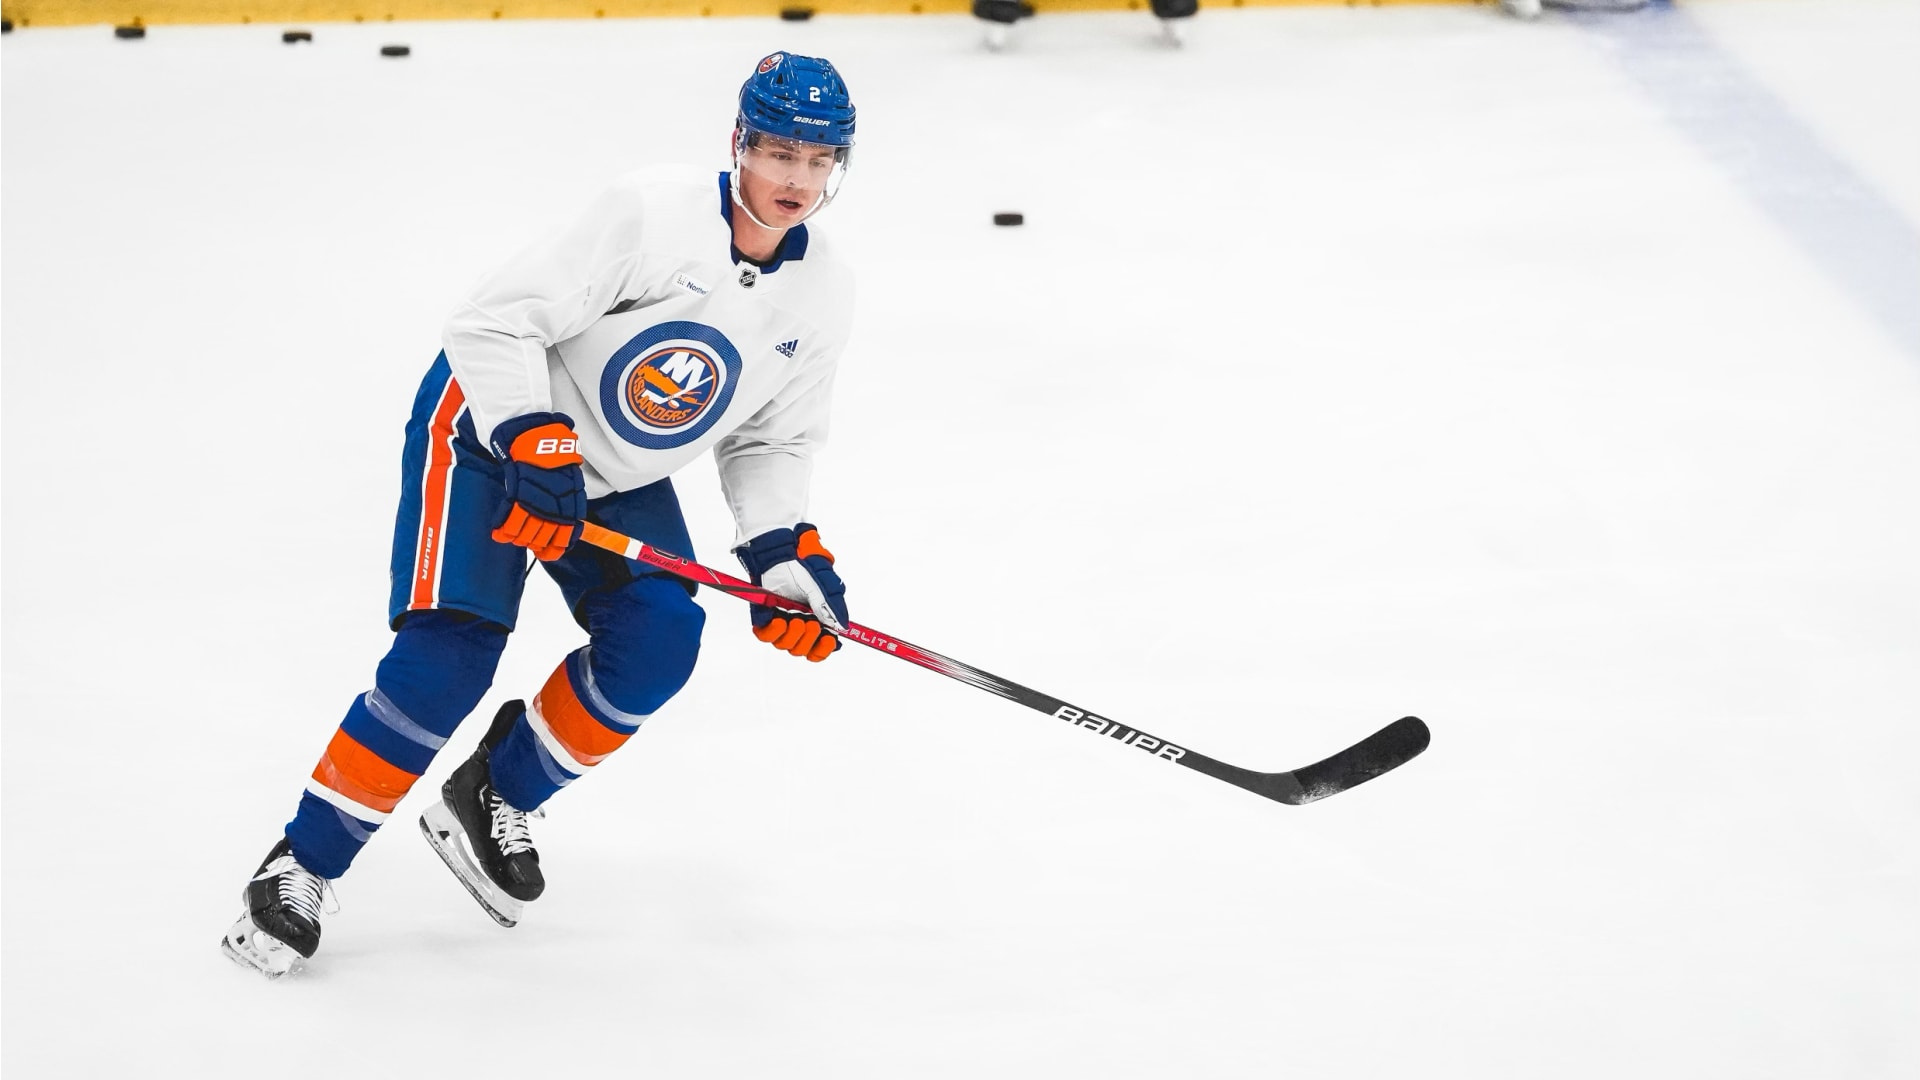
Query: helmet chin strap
x=740, y=200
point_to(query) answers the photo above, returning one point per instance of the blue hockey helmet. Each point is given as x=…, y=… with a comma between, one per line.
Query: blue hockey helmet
x=795, y=126
x=797, y=97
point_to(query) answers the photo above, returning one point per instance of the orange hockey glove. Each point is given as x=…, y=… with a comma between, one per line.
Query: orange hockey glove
x=546, y=493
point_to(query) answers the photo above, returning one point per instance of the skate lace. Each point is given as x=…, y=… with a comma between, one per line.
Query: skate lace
x=509, y=826
x=306, y=892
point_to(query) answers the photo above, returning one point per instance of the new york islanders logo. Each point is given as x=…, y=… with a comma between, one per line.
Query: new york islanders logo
x=771, y=62
x=669, y=384
x=670, y=387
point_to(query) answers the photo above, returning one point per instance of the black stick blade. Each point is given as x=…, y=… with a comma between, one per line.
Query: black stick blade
x=1384, y=750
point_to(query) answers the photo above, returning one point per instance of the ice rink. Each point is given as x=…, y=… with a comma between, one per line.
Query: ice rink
x=1558, y=383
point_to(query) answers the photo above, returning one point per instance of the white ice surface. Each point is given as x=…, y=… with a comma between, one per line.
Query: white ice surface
x=1351, y=363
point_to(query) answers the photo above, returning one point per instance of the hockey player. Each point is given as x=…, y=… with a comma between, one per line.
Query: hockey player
x=684, y=312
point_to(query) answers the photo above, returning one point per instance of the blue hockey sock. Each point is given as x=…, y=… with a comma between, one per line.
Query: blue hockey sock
x=440, y=665
x=646, y=636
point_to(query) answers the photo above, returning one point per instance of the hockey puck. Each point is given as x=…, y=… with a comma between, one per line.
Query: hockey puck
x=795, y=14
x=395, y=50
x=6, y=26
x=1009, y=219
x=131, y=33
x=293, y=36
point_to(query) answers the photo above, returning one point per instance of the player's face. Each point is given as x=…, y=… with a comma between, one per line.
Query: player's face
x=784, y=180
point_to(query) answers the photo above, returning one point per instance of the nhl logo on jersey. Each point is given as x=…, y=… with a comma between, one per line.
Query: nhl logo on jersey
x=749, y=277
x=669, y=384
x=671, y=387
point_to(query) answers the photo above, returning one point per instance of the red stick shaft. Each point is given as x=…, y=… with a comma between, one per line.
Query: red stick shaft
x=641, y=551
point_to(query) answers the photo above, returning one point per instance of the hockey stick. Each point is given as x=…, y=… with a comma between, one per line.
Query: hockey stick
x=1388, y=748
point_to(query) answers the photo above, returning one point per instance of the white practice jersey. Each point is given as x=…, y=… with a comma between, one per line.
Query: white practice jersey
x=637, y=322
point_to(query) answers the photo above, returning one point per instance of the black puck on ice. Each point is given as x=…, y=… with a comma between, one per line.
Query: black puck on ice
x=795, y=14
x=395, y=50
x=6, y=26
x=130, y=32
x=1009, y=218
x=293, y=36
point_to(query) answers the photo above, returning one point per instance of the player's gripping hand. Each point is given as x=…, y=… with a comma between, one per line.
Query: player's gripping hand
x=547, y=496
x=793, y=564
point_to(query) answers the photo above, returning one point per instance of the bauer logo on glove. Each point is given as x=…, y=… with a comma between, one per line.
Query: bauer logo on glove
x=794, y=564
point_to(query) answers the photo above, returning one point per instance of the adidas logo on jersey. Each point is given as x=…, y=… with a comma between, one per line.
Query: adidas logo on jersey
x=786, y=348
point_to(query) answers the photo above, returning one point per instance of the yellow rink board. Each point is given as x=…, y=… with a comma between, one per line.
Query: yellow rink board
x=162, y=12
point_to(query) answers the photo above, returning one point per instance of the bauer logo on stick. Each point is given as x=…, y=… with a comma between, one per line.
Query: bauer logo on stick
x=1127, y=736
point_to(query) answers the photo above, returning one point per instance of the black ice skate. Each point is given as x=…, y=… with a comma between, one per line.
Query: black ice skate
x=1173, y=15
x=483, y=840
x=999, y=16
x=280, y=929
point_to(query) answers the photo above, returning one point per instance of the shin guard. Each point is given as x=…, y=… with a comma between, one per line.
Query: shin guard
x=439, y=667
x=646, y=636
x=568, y=728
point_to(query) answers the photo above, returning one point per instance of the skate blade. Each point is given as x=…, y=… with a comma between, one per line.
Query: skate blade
x=442, y=830
x=254, y=948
